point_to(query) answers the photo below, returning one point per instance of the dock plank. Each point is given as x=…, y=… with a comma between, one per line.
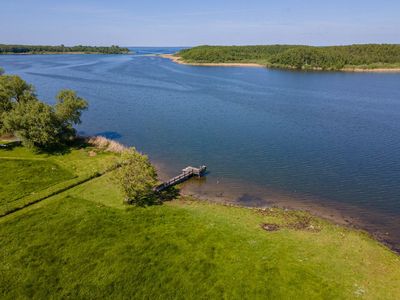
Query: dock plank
x=186, y=174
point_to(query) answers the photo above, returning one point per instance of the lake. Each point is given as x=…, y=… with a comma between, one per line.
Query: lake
x=324, y=141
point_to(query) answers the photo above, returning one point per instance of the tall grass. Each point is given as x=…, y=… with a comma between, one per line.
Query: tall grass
x=105, y=144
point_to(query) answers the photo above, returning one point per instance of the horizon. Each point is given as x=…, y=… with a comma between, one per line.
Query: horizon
x=178, y=46
x=208, y=23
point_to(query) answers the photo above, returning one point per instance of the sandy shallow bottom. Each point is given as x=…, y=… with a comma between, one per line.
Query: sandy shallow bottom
x=382, y=227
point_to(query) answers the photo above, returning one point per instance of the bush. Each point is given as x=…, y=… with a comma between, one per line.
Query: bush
x=138, y=178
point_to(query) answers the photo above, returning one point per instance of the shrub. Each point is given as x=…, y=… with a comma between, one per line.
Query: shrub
x=138, y=178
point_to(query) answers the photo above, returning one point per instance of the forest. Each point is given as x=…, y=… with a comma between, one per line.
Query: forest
x=29, y=49
x=366, y=56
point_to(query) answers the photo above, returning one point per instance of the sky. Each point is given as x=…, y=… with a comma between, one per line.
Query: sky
x=190, y=23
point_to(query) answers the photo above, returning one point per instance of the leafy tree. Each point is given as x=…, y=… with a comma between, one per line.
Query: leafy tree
x=68, y=110
x=38, y=124
x=35, y=123
x=13, y=90
x=137, y=178
x=1, y=71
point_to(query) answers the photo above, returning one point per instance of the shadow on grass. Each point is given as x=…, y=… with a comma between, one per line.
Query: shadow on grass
x=61, y=149
x=169, y=194
x=156, y=198
x=54, y=150
x=10, y=145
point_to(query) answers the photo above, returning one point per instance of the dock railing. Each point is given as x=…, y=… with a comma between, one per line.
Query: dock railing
x=186, y=174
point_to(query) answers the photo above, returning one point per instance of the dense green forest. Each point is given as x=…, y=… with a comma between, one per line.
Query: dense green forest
x=28, y=49
x=299, y=56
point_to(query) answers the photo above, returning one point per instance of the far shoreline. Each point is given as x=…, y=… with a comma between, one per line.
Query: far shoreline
x=178, y=60
x=62, y=53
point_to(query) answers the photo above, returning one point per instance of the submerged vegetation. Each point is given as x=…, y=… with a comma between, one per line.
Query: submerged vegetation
x=30, y=49
x=300, y=57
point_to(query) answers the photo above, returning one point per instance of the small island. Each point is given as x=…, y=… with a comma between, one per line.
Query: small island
x=357, y=58
x=30, y=49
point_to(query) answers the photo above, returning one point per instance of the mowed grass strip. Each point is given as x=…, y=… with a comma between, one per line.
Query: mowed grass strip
x=80, y=161
x=28, y=177
x=22, y=177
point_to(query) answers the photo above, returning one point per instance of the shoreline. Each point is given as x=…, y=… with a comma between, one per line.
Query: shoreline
x=338, y=217
x=60, y=53
x=259, y=198
x=178, y=60
x=240, y=194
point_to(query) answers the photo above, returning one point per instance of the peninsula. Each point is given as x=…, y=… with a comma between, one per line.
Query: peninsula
x=30, y=49
x=361, y=58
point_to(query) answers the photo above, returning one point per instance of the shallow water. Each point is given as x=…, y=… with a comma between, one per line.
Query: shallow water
x=319, y=139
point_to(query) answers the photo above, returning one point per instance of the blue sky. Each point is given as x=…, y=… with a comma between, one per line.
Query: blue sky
x=188, y=23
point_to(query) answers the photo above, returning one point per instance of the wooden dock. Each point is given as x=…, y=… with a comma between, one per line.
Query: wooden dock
x=186, y=174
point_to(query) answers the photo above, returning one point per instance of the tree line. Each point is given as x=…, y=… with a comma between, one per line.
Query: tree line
x=299, y=56
x=26, y=49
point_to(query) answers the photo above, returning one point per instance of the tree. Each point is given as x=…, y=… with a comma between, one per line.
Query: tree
x=38, y=124
x=35, y=123
x=14, y=89
x=1, y=71
x=68, y=110
x=137, y=178
x=69, y=106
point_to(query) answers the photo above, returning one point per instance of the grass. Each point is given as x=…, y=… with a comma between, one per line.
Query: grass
x=32, y=176
x=85, y=244
x=22, y=177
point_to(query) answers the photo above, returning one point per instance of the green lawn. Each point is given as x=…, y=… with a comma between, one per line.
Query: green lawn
x=85, y=244
x=24, y=177
x=29, y=176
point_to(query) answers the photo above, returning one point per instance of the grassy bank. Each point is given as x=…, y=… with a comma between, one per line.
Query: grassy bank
x=32, y=176
x=84, y=243
x=353, y=57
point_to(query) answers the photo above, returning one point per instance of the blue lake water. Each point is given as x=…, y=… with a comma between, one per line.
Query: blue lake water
x=330, y=139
